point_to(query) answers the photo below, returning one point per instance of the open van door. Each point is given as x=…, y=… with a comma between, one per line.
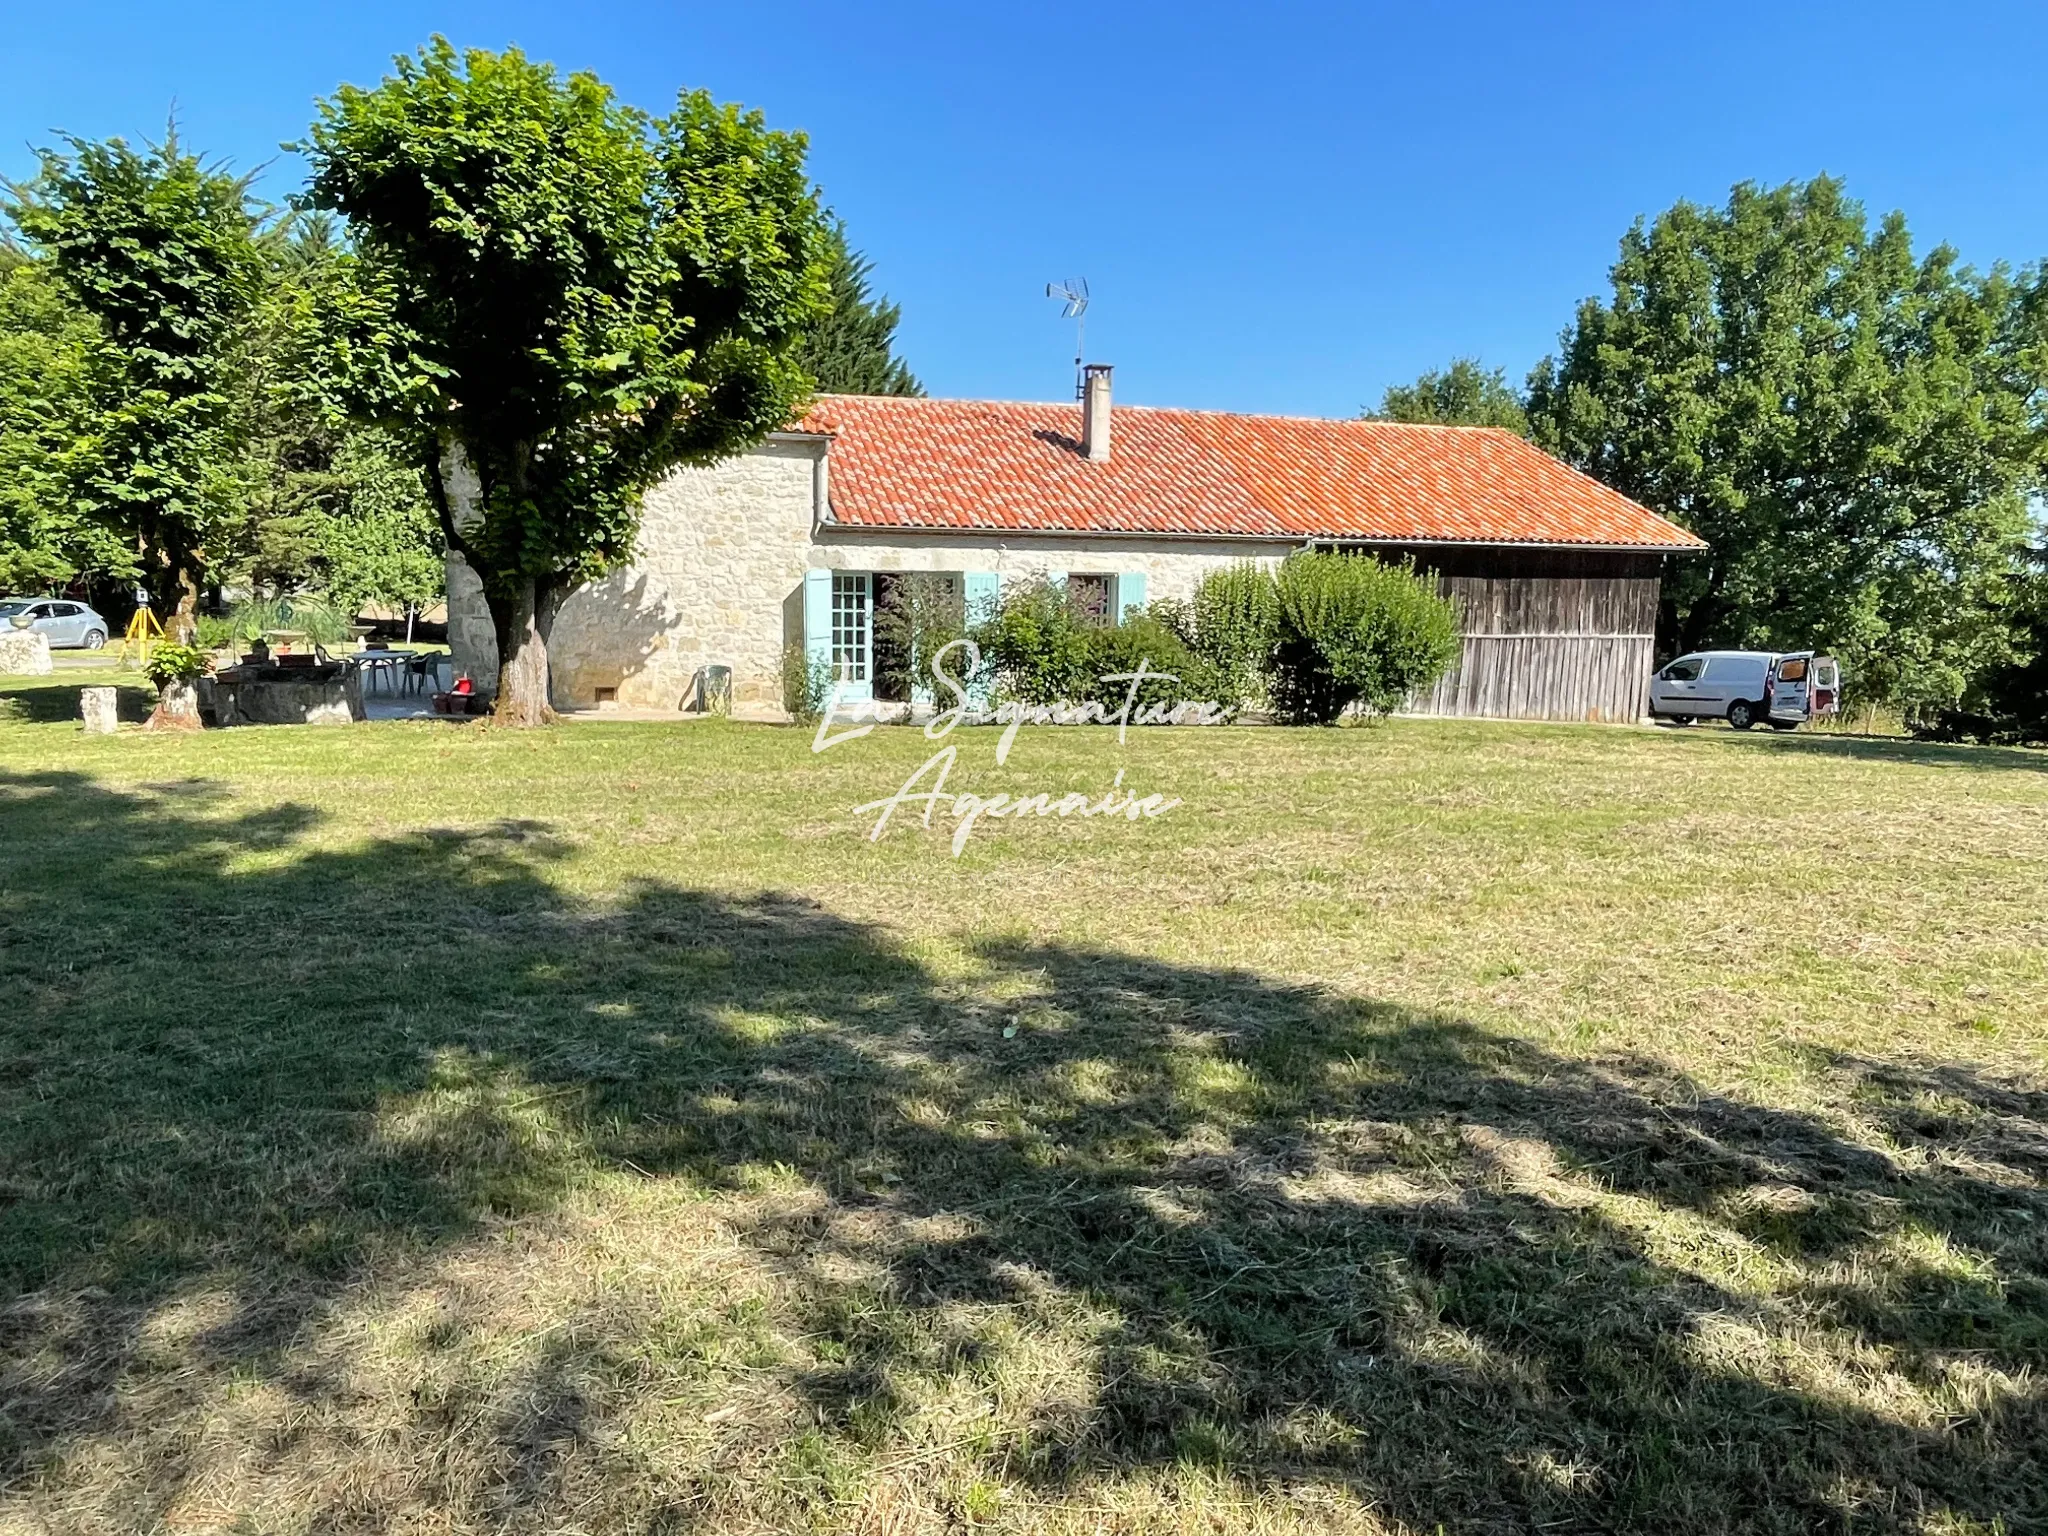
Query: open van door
x=1802, y=686
x=1824, y=694
x=1788, y=690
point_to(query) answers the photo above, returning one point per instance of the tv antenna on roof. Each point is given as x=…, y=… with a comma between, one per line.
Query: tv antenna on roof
x=1073, y=297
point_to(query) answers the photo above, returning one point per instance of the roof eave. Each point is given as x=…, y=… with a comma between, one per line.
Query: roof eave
x=1004, y=530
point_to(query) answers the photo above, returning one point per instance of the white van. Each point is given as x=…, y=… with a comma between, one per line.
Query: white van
x=1746, y=687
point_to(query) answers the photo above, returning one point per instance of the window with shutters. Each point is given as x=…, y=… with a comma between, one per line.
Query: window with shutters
x=1089, y=597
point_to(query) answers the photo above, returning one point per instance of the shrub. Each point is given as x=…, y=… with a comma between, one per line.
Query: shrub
x=1352, y=631
x=805, y=682
x=214, y=632
x=313, y=616
x=1230, y=625
x=1035, y=647
x=1117, y=649
x=917, y=616
x=170, y=662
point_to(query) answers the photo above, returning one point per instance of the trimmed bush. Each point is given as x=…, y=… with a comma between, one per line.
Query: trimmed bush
x=1230, y=624
x=1351, y=631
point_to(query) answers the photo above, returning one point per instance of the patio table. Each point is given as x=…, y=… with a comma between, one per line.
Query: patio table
x=380, y=664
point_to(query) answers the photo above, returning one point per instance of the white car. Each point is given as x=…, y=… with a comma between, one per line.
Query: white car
x=1746, y=688
x=65, y=622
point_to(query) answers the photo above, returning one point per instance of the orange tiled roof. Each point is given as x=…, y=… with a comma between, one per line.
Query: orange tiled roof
x=1010, y=467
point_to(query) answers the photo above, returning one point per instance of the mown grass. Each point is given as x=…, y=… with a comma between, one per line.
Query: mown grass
x=423, y=1127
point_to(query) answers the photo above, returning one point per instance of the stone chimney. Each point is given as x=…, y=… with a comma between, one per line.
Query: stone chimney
x=1095, y=411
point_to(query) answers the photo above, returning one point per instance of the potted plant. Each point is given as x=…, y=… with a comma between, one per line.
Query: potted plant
x=176, y=670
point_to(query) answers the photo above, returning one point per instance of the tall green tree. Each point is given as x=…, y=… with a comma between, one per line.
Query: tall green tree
x=559, y=298
x=160, y=249
x=380, y=543
x=1466, y=394
x=851, y=351
x=333, y=505
x=51, y=362
x=1853, y=429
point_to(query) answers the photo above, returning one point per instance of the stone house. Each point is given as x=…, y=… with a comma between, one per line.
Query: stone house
x=799, y=540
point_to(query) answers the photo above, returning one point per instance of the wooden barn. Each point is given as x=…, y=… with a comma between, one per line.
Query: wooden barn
x=795, y=543
x=1550, y=634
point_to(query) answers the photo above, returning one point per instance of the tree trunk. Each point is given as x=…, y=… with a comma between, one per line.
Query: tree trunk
x=522, y=623
x=183, y=623
x=522, y=611
x=174, y=584
x=177, y=707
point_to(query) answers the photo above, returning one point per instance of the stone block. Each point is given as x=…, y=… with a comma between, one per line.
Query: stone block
x=25, y=651
x=100, y=709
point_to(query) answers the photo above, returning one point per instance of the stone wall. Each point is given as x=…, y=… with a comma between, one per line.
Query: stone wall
x=336, y=700
x=721, y=557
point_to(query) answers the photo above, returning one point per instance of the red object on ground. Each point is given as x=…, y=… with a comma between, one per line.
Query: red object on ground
x=464, y=685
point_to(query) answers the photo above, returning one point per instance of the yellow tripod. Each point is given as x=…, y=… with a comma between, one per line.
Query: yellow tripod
x=143, y=631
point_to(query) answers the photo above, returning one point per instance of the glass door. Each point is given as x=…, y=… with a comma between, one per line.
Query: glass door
x=853, y=634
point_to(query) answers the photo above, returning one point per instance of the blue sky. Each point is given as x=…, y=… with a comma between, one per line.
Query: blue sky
x=1279, y=207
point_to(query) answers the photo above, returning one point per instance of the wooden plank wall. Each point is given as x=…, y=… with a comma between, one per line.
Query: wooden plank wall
x=1546, y=677
x=1549, y=635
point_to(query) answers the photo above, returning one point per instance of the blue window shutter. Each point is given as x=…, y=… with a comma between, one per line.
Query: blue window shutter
x=818, y=616
x=1130, y=594
x=983, y=591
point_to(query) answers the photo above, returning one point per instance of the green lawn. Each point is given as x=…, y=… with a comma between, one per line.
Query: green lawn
x=425, y=1127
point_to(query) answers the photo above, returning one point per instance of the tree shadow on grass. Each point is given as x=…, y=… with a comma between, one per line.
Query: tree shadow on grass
x=54, y=700
x=1296, y=1240
x=1870, y=749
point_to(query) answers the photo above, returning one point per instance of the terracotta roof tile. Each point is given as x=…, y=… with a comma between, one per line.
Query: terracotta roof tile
x=1007, y=466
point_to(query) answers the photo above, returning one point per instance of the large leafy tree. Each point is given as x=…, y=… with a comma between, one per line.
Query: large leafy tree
x=51, y=361
x=380, y=543
x=333, y=504
x=1852, y=428
x=851, y=351
x=560, y=298
x=1466, y=394
x=2010, y=701
x=160, y=249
